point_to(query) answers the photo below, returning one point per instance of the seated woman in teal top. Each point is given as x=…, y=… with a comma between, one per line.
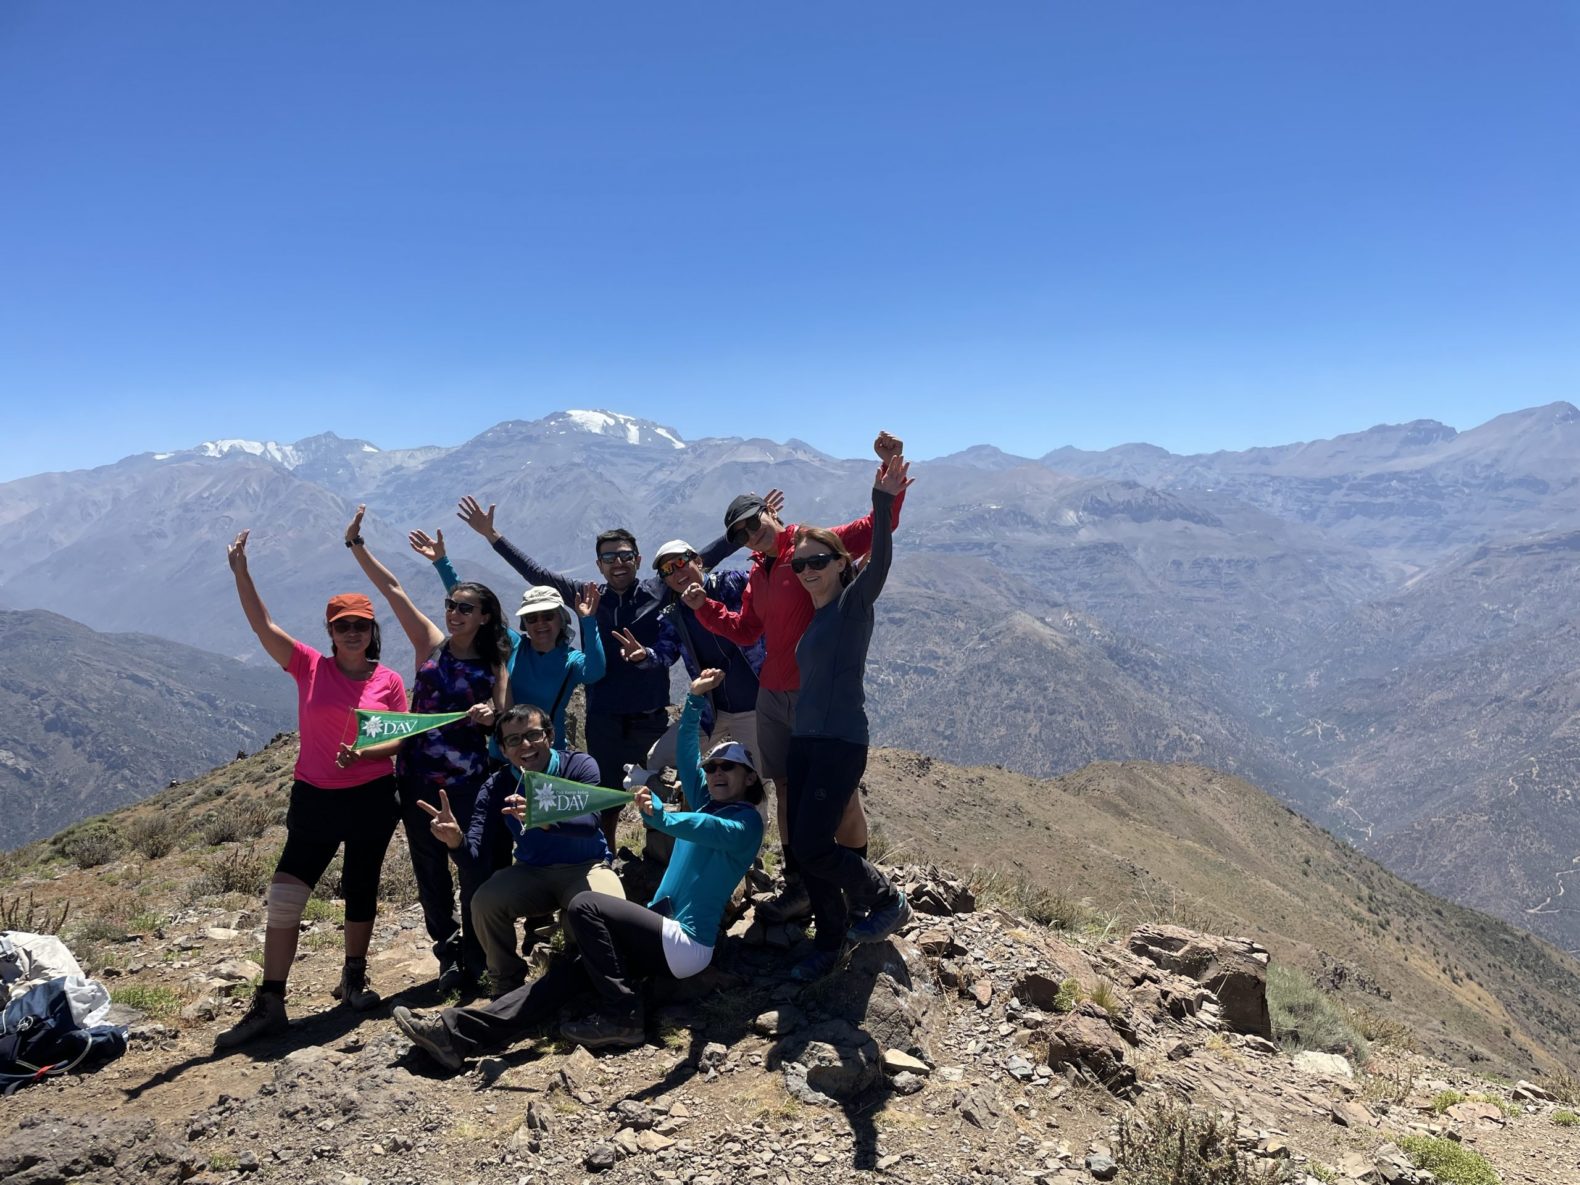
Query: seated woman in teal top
x=548, y=668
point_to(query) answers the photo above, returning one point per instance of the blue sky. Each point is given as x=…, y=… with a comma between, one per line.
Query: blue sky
x=1027, y=224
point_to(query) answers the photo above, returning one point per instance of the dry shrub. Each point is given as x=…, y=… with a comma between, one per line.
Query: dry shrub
x=236, y=821
x=156, y=835
x=397, y=882
x=1304, y=1017
x=30, y=917
x=235, y=870
x=1018, y=893
x=1168, y=1143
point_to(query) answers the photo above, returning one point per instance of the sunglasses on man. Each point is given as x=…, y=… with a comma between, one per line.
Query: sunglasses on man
x=816, y=562
x=745, y=529
x=625, y=556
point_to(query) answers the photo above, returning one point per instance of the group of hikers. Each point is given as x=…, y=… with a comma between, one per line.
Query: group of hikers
x=776, y=654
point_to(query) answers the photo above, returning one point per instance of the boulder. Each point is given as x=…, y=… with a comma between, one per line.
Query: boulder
x=828, y=1063
x=1234, y=969
x=887, y=991
x=1324, y=1065
x=1085, y=1039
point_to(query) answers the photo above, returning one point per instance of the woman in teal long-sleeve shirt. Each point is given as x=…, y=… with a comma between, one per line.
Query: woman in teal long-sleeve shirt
x=544, y=667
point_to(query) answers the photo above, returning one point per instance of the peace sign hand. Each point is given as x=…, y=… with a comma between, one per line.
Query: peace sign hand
x=441, y=821
x=431, y=550
x=587, y=603
x=630, y=649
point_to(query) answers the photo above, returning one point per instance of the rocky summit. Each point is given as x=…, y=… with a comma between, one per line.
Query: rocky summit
x=992, y=1040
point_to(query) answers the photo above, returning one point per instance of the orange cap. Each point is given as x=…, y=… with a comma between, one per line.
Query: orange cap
x=348, y=605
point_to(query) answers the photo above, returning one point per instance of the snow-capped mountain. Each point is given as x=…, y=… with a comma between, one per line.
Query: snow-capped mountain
x=609, y=423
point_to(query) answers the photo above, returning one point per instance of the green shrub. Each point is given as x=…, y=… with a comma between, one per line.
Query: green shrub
x=1304, y=1017
x=1444, y=1099
x=1018, y=893
x=319, y=910
x=1167, y=1143
x=1451, y=1163
x=1565, y=1118
x=239, y=820
x=91, y=845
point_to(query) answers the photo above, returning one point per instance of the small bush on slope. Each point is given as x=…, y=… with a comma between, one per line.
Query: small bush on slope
x=1166, y=1143
x=1451, y=1163
x=1305, y=1018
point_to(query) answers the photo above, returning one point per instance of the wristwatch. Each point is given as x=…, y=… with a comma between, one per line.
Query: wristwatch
x=354, y=541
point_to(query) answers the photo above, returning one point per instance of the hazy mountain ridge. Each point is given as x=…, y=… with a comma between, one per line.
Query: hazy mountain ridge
x=94, y=721
x=1372, y=627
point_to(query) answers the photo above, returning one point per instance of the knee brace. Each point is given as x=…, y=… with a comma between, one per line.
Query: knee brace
x=287, y=900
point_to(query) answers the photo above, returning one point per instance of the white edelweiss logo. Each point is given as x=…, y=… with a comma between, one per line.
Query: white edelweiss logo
x=545, y=795
x=372, y=726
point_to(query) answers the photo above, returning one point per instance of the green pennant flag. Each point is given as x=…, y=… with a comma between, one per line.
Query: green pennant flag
x=553, y=800
x=374, y=728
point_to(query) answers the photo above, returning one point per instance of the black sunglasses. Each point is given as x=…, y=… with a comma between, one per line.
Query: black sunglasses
x=713, y=767
x=745, y=529
x=816, y=562
x=464, y=608
x=617, y=557
x=531, y=737
x=539, y=616
x=350, y=625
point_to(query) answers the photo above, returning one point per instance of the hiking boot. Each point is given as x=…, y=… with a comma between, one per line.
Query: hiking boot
x=599, y=1031
x=428, y=1034
x=816, y=965
x=881, y=923
x=791, y=905
x=452, y=973
x=265, y=1018
x=353, y=989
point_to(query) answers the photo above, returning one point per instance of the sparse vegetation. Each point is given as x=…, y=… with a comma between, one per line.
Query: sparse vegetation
x=1451, y=1163
x=157, y=834
x=1392, y=1086
x=1444, y=1099
x=236, y=821
x=1016, y=892
x=90, y=844
x=319, y=910
x=157, y=1002
x=1563, y=1086
x=1167, y=1143
x=235, y=870
x=397, y=882
x=29, y=915
x=1563, y=1117
x=1305, y=1017
x=1379, y=1029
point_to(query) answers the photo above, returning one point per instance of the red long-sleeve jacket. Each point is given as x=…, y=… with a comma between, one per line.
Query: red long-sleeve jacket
x=776, y=608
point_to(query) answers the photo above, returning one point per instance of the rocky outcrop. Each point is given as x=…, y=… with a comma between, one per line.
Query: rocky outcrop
x=1233, y=969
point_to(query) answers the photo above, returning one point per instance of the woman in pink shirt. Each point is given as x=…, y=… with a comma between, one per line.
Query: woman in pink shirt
x=340, y=795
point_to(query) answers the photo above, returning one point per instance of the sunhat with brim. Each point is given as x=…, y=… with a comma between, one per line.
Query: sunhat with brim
x=673, y=547
x=544, y=596
x=732, y=751
x=348, y=605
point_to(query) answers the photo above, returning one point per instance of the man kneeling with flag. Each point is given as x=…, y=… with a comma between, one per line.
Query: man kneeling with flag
x=549, y=799
x=621, y=944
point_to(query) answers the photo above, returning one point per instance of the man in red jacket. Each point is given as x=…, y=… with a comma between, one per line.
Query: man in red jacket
x=776, y=608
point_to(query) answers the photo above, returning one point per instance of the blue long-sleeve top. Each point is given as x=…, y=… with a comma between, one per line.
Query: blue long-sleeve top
x=546, y=680
x=626, y=688
x=573, y=841
x=681, y=635
x=715, y=842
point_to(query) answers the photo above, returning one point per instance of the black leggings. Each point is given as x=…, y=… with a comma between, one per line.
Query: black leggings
x=319, y=821
x=824, y=773
x=618, y=945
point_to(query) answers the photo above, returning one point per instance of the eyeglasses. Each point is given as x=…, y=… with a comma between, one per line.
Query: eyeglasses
x=464, y=608
x=625, y=556
x=816, y=562
x=745, y=529
x=540, y=617
x=350, y=625
x=514, y=740
x=713, y=767
x=668, y=567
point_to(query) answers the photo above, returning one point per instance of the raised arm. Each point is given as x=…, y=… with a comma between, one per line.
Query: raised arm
x=433, y=551
x=891, y=481
x=423, y=634
x=277, y=644
x=688, y=753
x=592, y=663
x=470, y=512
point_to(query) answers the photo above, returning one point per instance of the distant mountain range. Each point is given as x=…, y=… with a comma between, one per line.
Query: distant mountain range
x=1374, y=627
x=95, y=721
